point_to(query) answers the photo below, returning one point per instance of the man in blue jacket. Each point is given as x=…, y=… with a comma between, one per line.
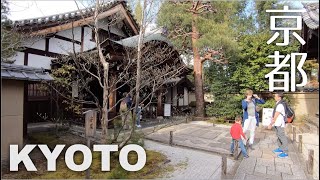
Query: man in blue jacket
x=250, y=114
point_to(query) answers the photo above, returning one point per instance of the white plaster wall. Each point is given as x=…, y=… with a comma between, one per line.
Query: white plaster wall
x=168, y=95
x=18, y=58
x=181, y=101
x=192, y=97
x=39, y=61
x=87, y=45
x=68, y=33
x=35, y=42
x=174, y=97
x=62, y=47
x=185, y=97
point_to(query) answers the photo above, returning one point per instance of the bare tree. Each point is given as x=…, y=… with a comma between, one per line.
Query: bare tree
x=156, y=60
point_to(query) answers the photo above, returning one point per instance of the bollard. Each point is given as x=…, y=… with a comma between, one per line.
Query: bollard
x=88, y=170
x=171, y=138
x=235, y=151
x=294, y=134
x=310, y=161
x=224, y=165
x=300, y=144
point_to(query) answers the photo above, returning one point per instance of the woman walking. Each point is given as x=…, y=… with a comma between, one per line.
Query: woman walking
x=250, y=114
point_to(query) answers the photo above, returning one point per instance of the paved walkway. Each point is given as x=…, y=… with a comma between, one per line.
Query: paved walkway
x=197, y=135
x=200, y=135
x=264, y=164
x=191, y=164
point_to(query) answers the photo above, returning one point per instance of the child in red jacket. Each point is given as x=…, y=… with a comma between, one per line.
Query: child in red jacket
x=236, y=133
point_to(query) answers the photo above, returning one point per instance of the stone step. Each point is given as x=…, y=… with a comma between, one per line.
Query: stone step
x=310, y=128
x=302, y=129
x=313, y=121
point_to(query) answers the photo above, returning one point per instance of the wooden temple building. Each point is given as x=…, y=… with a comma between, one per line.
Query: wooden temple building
x=51, y=37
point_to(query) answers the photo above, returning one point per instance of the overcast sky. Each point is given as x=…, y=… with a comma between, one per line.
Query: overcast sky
x=32, y=9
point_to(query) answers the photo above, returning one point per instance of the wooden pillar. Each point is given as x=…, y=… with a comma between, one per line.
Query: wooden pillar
x=310, y=162
x=159, y=103
x=25, y=110
x=224, y=165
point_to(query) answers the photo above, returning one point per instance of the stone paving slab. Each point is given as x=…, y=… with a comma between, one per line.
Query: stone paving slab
x=196, y=135
x=267, y=165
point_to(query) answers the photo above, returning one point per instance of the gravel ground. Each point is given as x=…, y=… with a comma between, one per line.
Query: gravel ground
x=191, y=164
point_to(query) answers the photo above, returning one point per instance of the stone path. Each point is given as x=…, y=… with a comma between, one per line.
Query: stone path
x=196, y=135
x=190, y=164
x=264, y=164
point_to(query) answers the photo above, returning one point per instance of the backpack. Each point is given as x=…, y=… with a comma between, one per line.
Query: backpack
x=289, y=113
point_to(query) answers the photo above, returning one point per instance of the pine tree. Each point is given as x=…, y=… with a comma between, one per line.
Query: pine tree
x=203, y=30
x=138, y=12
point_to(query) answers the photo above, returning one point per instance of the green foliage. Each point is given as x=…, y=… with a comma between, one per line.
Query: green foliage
x=214, y=28
x=138, y=12
x=10, y=40
x=269, y=103
x=225, y=107
x=309, y=66
x=254, y=52
x=63, y=78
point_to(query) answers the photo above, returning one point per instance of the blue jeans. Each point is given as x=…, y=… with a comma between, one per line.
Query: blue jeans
x=243, y=149
x=138, y=118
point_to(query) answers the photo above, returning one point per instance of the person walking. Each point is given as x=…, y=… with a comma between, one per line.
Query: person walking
x=138, y=115
x=250, y=114
x=278, y=122
x=236, y=133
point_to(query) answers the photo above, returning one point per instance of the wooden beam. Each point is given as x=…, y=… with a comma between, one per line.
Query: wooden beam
x=38, y=52
x=129, y=20
x=82, y=38
x=77, y=23
x=66, y=39
x=25, y=60
x=47, y=44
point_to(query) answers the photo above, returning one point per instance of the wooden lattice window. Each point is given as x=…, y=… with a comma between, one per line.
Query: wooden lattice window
x=37, y=90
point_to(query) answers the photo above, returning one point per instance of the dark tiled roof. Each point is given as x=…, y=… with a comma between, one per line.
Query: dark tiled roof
x=66, y=17
x=311, y=16
x=20, y=72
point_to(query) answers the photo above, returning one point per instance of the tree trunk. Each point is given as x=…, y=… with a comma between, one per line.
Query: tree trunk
x=197, y=70
x=138, y=80
x=105, y=64
x=104, y=120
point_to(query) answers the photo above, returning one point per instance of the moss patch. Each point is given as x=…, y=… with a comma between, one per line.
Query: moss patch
x=155, y=166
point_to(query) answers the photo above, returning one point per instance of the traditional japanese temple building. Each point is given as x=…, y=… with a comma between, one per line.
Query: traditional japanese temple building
x=51, y=37
x=310, y=30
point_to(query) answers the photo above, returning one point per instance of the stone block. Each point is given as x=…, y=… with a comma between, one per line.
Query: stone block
x=261, y=169
x=268, y=176
x=283, y=169
x=265, y=162
x=284, y=160
x=268, y=156
x=255, y=153
x=247, y=165
x=254, y=177
x=297, y=170
x=292, y=177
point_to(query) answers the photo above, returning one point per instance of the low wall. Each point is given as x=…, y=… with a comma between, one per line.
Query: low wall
x=11, y=115
x=305, y=103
